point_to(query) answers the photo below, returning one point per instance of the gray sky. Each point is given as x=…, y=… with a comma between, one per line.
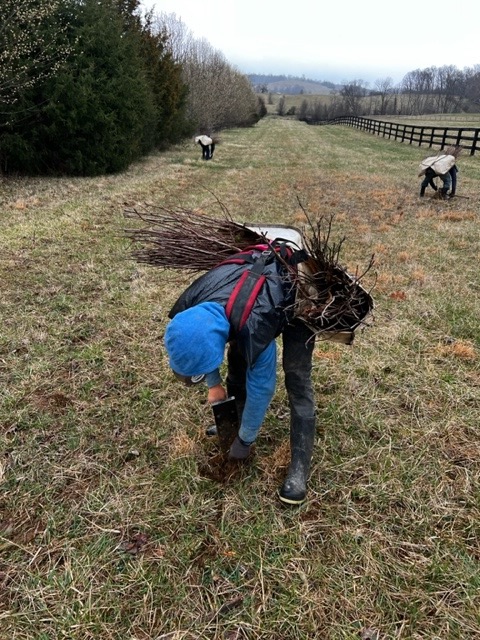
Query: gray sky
x=337, y=41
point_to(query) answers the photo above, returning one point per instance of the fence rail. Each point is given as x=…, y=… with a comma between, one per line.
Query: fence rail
x=466, y=137
x=433, y=118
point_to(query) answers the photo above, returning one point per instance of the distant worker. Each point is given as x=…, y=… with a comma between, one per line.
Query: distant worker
x=208, y=146
x=444, y=166
x=448, y=179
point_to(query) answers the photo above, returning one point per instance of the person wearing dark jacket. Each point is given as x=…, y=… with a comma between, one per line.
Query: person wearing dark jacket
x=429, y=180
x=200, y=329
x=453, y=173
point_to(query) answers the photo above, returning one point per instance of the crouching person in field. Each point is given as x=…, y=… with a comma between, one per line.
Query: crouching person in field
x=208, y=146
x=204, y=322
x=442, y=166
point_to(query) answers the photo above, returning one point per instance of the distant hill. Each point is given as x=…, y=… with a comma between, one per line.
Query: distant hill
x=292, y=85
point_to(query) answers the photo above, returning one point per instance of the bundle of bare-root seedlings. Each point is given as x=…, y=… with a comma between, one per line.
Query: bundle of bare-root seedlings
x=453, y=150
x=184, y=239
x=329, y=299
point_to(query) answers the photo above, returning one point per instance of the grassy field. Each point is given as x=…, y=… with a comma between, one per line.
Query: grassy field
x=113, y=525
x=441, y=120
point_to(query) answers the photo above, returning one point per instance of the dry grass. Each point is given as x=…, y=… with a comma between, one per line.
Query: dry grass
x=115, y=521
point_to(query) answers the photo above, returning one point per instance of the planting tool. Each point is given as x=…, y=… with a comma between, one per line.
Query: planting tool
x=226, y=421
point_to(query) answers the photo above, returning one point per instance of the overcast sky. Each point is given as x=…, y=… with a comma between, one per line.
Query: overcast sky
x=335, y=40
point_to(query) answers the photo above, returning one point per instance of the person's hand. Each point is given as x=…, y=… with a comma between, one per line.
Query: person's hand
x=216, y=393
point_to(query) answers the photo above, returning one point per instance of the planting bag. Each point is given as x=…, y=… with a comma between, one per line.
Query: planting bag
x=441, y=164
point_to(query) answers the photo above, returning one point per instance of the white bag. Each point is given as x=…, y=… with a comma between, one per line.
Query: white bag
x=441, y=164
x=203, y=140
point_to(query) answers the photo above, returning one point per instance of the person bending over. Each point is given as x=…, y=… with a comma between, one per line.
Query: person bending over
x=208, y=146
x=202, y=326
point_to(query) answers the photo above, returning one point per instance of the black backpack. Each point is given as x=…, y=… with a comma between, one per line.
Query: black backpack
x=250, y=283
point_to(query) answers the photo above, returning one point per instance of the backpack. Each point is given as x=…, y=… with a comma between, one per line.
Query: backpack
x=250, y=283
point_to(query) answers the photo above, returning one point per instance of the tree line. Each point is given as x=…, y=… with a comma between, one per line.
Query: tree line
x=445, y=89
x=87, y=87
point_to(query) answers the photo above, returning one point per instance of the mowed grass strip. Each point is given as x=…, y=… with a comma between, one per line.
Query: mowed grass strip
x=114, y=523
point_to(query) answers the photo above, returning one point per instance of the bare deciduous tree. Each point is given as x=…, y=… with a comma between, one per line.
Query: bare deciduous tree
x=419, y=85
x=472, y=84
x=384, y=87
x=303, y=110
x=32, y=44
x=218, y=94
x=352, y=94
x=448, y=89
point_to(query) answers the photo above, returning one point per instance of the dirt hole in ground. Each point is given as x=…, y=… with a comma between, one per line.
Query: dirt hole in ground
x=219, y=468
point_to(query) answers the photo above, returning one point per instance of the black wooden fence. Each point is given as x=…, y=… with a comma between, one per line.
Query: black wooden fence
x=466, y=137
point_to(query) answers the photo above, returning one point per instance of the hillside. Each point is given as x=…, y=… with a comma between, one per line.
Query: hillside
x=292, y=85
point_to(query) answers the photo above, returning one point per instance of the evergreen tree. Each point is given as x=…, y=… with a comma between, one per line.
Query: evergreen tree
x=119, y=96
x=169, y=91
x=163, y=73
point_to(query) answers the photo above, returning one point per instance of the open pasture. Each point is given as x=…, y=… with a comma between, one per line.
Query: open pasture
x=112, y=524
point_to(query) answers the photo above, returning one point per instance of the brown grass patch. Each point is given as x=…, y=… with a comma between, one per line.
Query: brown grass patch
x=418, y=275
x=458, y=216
x=398, y=295
x=181, y=445
x=459, y=349
x=404, y=256
x=332, y=354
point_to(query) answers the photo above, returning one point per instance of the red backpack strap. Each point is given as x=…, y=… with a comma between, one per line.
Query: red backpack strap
x=250, y=283
x=244, y=294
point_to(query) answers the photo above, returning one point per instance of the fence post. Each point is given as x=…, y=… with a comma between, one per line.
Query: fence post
x=474, y=142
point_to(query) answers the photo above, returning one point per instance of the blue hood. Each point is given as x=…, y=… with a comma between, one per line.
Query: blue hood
x=195, y=339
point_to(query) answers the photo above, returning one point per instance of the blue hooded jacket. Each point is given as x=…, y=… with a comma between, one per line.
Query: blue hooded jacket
x=199, y=330
x=272, y=310
x=195, y=339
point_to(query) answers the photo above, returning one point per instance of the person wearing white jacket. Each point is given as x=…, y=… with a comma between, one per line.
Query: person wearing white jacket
x=444, y=166
x=208, y=146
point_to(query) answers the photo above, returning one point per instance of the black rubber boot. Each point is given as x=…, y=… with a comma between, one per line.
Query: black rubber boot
x=422, y=192
x=444, y=193
x=302, y=437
